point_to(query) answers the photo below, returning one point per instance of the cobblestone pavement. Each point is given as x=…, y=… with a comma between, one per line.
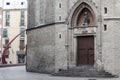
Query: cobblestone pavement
x=19, y=73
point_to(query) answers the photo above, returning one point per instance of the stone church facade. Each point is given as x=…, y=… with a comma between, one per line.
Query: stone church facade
x=69, y=33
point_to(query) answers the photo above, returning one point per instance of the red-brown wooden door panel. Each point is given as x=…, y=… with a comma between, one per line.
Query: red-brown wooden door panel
x=82, y=56
x=90, y=56
x=85, y=50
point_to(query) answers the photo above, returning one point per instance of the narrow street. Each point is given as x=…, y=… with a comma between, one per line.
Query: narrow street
x=19, y=73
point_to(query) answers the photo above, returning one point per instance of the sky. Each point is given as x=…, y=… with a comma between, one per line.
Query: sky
x=0, y=3
x=13, y=4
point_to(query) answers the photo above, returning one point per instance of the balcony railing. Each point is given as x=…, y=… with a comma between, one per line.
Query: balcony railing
x=85, y=30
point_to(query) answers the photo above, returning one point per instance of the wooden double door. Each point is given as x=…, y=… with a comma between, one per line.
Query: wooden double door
x=85, y=50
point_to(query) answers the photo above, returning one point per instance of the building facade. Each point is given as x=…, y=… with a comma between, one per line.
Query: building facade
x=68, y=33
x=0, y=28
x=14, y=22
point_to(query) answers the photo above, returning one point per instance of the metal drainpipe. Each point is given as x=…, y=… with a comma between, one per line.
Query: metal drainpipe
x=67, y=35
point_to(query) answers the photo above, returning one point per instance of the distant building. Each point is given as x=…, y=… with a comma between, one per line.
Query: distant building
x=14, y=22
x=64, y=34
x=0, y=29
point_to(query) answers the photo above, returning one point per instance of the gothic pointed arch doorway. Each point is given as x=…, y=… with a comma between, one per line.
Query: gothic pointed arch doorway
x=83, y=22
x=85, y=44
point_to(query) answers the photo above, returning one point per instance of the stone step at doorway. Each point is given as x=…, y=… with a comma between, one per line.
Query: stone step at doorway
x=84, y=71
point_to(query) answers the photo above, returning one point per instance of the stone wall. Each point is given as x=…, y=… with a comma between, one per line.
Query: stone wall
x=41, y=49
x=31, y=16
x=61, y=54
x=47, y=50
x=110, y=37
x=49, y=11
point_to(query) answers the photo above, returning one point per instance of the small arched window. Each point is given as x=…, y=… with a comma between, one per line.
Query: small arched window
x=105, y=27
x=105, y=10
x=60, y=18
x=60, y=5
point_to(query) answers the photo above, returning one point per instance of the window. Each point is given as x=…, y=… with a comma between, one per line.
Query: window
x=22, y=3
x=60, y=36
x=60, y=18
x=105, y=10
x=105, y=27
x=5, y=33
x=22, y=45
x=7, y=3
x=21, y=58
x=6, y=41
x=59, y=5
x=22, y=21
x=22, y=35
x=7, y=53
x=7, y=17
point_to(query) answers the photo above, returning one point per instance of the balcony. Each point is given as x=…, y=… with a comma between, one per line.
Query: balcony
x=87, y=30
x=21, y=56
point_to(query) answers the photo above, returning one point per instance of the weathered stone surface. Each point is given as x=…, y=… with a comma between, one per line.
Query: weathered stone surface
x=20, y=74
x=54, y=46
x=41, y=49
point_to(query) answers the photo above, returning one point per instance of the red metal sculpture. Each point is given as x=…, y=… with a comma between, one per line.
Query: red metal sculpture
x=7, y=47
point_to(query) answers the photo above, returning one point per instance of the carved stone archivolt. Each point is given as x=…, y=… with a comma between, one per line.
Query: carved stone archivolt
x=83, y=16
x=83, y=13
